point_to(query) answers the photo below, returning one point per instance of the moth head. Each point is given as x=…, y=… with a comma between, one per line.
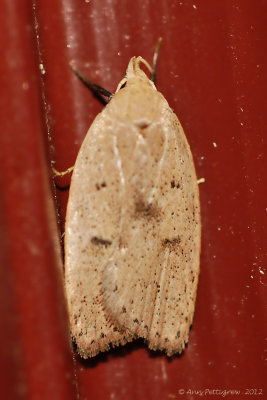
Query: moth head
x=134, y=70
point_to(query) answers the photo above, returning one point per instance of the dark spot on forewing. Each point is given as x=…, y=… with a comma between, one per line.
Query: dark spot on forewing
x=100, y=185
x=146, y=209
x=171, y=242
x=99, y=241
x=142, y=207
x=175, y=184
x=142, y=123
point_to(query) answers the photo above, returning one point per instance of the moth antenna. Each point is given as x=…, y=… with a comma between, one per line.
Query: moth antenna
x=96, y=89
x=153, y=77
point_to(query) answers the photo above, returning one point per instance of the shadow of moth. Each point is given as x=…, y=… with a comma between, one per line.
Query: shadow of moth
x=132, y=237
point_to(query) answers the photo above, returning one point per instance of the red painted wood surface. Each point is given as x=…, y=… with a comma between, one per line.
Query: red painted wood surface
x=212, y=70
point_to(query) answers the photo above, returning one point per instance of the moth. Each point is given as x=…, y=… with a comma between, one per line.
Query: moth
x=132, y=233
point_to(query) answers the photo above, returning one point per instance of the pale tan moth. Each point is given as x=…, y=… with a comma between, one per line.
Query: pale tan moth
x=132, y=237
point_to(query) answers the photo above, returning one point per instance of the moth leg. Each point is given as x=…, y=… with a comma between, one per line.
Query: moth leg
x=201, y=180
x=122, y=82
x=153, y=77
x=63, y=173
x=99, y=91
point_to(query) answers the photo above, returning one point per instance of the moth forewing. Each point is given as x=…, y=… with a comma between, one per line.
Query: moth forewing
x=150, y=282
x=90, y=239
